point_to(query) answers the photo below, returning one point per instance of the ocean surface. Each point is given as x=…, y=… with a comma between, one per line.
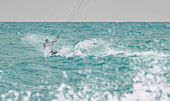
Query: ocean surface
x=97, y=61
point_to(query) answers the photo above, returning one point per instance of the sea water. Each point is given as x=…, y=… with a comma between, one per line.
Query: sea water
x=97, y=61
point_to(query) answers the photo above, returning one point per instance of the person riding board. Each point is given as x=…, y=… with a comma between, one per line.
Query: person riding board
x=48, y=46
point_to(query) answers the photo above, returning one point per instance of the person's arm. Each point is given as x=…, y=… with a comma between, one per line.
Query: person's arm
x=55, y=40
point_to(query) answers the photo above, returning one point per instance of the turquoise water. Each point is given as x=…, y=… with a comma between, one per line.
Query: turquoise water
x=97, y=61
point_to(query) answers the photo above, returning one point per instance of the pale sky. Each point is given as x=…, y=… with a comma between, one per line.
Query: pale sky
x=92, y=10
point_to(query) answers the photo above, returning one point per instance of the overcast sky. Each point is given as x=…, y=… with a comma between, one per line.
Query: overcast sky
x=92, y=10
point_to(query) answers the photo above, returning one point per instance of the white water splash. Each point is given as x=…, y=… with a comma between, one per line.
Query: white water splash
x=1, y=71
x=37, y=41
x=100, y=48
x=92, y=47
x=148, y=88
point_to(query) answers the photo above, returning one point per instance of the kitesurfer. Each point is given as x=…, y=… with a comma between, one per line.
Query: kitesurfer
x=48, y=46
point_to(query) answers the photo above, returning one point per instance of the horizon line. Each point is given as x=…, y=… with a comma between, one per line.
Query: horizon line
x=85, y=21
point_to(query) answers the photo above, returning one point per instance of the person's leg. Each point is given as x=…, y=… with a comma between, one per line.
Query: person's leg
x=54, y=52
